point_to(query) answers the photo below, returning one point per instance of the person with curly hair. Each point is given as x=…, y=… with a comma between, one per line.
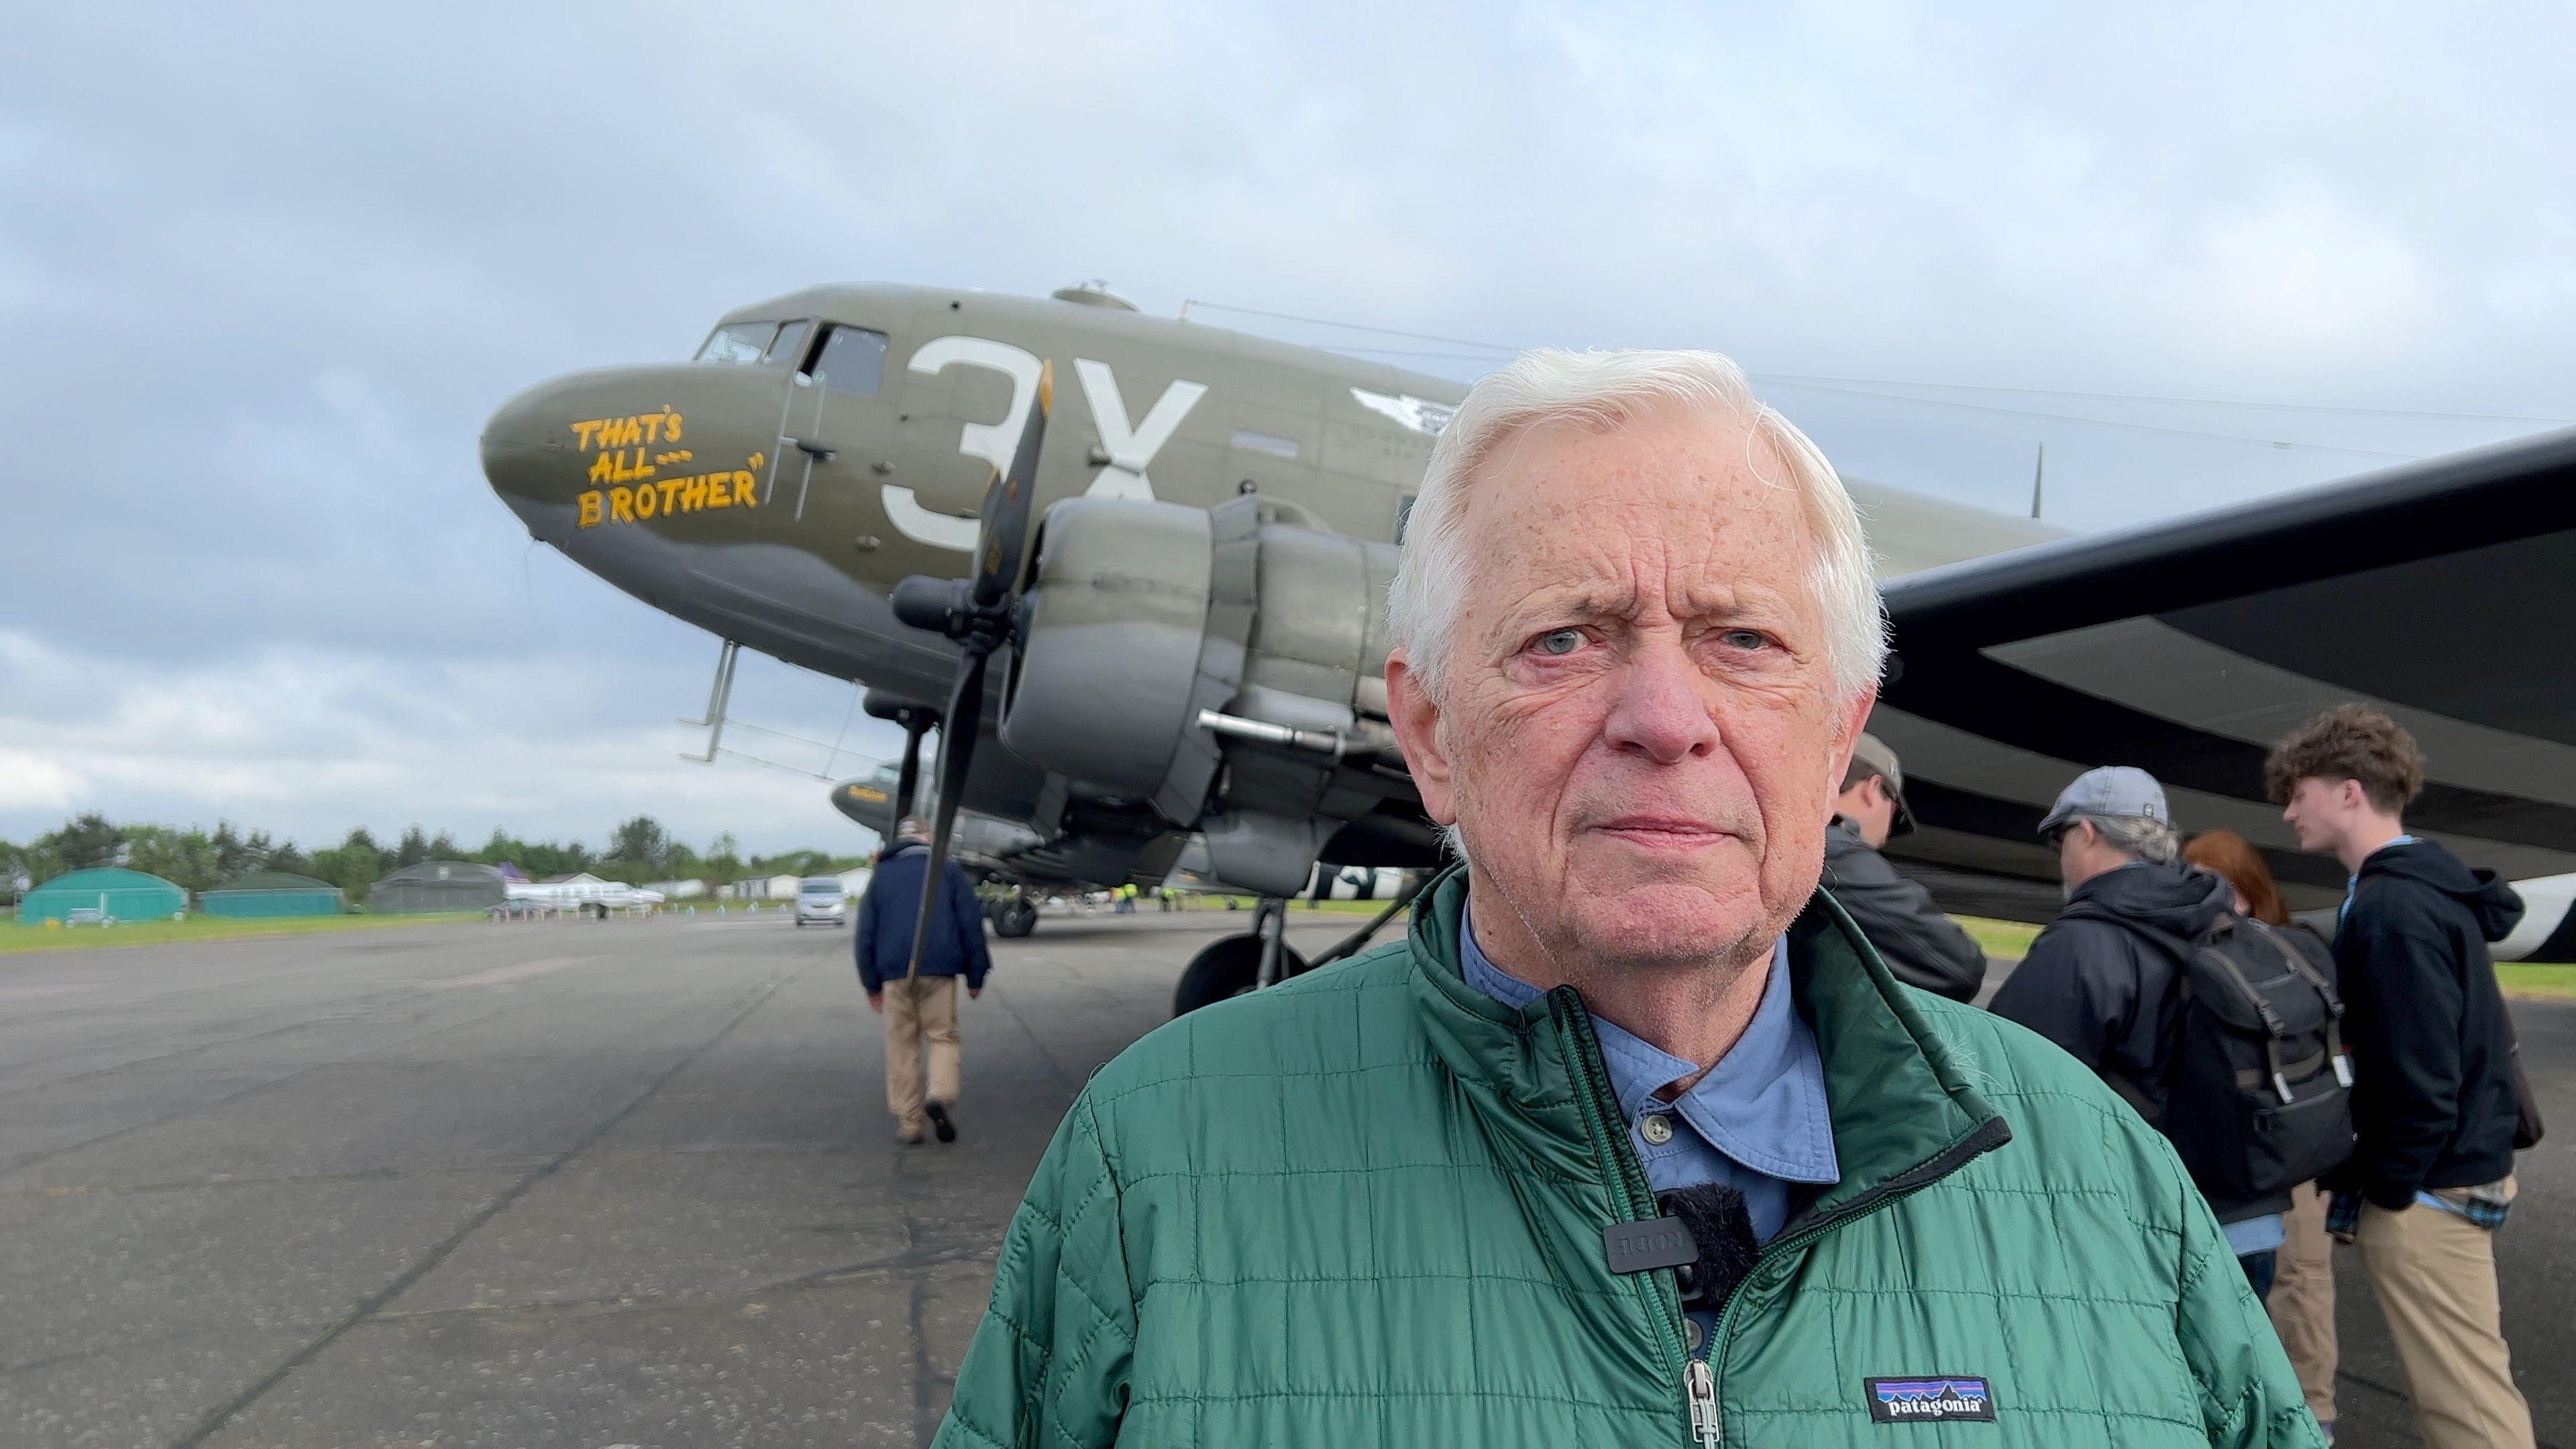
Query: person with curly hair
x=2434, y=1108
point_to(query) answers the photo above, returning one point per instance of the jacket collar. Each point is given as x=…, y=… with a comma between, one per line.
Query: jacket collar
x=1898, y=1097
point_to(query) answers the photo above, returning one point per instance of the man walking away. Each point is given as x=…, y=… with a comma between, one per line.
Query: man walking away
x=921, y=1010
x=1920, y=945
x=2101, y=981
x=2434, y=1108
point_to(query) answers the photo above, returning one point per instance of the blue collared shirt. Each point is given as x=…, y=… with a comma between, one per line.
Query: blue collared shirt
x=2352, y=883
x=1757, y=1122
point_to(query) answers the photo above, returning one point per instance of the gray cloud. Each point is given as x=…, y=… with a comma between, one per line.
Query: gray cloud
x=267, y=272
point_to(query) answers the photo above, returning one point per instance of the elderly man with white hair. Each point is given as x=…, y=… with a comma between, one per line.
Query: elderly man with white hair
x=1634, y=1140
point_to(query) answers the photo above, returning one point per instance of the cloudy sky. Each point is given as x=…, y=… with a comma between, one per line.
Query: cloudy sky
x=264, y=273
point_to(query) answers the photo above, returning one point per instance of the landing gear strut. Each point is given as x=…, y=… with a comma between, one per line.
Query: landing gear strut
x=916, y=720
x=1263, y=957
x=1237, y=964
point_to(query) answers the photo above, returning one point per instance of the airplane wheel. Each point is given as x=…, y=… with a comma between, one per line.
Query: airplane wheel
x=1224, y=969
x=1015, y=918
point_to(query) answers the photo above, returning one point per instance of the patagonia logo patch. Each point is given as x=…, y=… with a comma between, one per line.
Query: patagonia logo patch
x=1929, y=1400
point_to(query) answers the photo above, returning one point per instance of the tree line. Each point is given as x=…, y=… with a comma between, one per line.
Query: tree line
x=637, y=851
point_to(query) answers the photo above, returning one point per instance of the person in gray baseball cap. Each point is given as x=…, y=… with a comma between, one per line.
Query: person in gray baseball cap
x=1921, y=946
x=2125, y=808
x=2098, y=981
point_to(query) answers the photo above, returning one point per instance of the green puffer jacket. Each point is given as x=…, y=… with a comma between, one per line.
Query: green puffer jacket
x=1367, y=1207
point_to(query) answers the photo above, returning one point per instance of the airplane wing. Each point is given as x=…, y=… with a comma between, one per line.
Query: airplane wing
x=2443, y=592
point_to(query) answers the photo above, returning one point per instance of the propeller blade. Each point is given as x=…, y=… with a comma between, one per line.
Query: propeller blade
x=1007, y=502
x=976, y=612
x=957, y=731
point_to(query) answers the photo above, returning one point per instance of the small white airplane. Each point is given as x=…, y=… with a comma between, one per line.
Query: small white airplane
x=584, y=892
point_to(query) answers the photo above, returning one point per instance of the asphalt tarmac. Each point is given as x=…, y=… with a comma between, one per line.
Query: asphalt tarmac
x=627, y=1183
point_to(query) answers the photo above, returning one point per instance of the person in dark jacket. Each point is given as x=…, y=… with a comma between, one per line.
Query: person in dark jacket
x=2433, y=1103
x=1922, y=946
x=920, y=1009
x=2106, y=990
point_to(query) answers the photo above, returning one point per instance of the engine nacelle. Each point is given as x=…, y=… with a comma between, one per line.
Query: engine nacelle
x=1144, y=615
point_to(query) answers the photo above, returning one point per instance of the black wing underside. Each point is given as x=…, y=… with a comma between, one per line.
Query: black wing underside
x=2443, y=592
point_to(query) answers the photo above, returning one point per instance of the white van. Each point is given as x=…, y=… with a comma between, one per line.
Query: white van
x=819, y=899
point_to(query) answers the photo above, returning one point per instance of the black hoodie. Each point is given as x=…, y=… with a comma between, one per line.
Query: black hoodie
x=2433, y=1102
x=2107, y=994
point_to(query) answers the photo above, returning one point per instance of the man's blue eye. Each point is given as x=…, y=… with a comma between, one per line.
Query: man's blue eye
x=1745, y=639
x=1560, y=641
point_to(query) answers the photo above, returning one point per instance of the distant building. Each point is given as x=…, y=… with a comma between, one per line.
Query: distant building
x=104, y=894
x=764, y=888
x=854, y=881
x=438, y=885
x=679, y=890
x=272, y=894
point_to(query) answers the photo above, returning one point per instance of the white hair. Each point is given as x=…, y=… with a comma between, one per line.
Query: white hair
x=1602, y=390
x=2139, y=837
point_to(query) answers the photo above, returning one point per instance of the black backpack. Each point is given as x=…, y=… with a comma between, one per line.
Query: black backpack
x=2258, y=1097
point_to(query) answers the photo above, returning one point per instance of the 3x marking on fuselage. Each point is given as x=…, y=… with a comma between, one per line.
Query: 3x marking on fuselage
x=626, y=463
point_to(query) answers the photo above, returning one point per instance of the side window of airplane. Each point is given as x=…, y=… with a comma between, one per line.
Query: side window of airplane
x=852, y=360
x=788, y=349
x=738, y=342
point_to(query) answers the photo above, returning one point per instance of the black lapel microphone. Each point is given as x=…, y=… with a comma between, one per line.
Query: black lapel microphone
x=1722, y=1231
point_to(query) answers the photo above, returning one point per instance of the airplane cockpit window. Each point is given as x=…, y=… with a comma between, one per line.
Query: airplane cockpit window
x=852, y=360
x=789, y=347
x=738, y=342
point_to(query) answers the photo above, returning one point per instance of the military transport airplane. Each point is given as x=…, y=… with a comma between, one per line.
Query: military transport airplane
x=981, y=843
x=1182, y=560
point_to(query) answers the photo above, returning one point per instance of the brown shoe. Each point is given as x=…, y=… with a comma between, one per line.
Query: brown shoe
x=913, y=1138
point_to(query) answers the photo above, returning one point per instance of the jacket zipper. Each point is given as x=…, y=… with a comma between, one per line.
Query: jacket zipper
x=1592, y=1084
x=1699, y=1375
x=1707, y=1430
x=1986, y=1136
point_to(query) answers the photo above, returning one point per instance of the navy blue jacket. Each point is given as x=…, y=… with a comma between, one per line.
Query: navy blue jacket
x=893, y=902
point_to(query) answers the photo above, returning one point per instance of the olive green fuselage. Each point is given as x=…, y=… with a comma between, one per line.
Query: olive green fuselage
x=833, y=441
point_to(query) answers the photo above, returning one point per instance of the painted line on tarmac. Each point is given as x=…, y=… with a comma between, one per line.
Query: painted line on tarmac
x=421, y=1267
x=508, y=975
x=12, y=994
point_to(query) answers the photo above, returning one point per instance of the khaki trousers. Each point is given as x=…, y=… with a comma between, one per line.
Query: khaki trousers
x=2302, y=1302
x=2434, y=1273
x=920, y=1011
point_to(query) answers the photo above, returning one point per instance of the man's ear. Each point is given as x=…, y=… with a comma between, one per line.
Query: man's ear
x=1417, y=731
x=1850, y=720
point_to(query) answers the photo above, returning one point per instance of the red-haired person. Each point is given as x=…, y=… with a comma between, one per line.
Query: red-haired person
x=2302, y=1300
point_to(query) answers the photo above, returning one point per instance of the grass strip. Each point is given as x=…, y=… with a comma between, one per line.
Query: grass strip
x=16, y=938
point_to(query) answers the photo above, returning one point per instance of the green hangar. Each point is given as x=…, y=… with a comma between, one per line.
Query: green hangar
x=105, y=894
x=271, y=895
